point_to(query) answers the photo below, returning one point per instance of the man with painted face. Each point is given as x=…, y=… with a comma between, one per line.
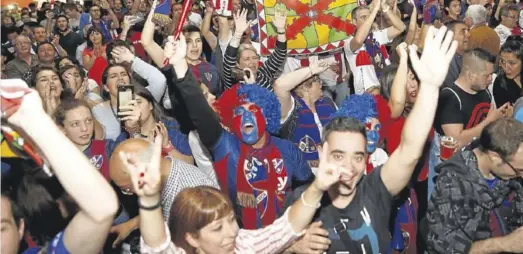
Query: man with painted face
x=254, y=168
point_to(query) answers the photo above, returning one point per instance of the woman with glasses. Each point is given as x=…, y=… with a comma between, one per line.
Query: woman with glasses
x=508, y=85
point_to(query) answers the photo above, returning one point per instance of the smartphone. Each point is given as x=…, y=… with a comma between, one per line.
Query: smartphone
x=125, y=95
x=238, y=73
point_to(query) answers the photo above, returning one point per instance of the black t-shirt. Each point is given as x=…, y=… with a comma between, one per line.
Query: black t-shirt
x=366, y=218
x=70, y=42
x=506, y=90
x=468, y=109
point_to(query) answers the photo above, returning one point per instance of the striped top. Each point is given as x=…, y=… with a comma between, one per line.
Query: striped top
x=272, y=239
x=266, y=73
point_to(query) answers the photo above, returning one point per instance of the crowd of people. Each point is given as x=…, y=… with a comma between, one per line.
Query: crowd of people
x=119, y=137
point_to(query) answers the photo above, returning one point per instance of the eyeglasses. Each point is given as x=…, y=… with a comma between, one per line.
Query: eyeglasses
x=518, y=171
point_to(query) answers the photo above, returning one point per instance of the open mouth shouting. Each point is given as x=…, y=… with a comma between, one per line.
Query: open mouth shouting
x=248, y=128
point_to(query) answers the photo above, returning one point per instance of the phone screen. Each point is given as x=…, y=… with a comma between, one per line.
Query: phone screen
x=125, y=95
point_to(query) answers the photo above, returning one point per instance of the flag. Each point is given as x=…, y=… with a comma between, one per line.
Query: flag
x=187, y=5
x=313, y=26
x=161, y=13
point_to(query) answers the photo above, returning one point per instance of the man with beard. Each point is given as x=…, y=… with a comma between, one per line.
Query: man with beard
x=464, y=108
x=254, y=168
x=68, y=39
x=355, y=213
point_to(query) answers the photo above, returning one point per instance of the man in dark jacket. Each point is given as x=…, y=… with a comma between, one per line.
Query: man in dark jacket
x=477, y=204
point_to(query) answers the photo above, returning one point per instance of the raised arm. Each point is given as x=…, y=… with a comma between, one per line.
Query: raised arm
x=206, y=26
x=286, y=83
x=397, y=25
x=87, y=231
x=364, y=30
x=398, y=94
x=431, y=69
x=202, y=115
x=274, y=65
x=231, y=53
x=151, y=47
x=413, y=24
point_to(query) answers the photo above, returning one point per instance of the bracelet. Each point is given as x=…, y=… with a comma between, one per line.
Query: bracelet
x=309, y=205
x=168, y=148
x=150, y=208
x=281, y=32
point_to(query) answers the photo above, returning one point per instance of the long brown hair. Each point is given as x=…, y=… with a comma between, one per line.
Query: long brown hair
x=193, y=209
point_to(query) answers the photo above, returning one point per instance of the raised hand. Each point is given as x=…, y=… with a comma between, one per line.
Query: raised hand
x=82, y=90
x=241, y=23
x=251, y=79
x=434, y=63
x=175, y=51
x=401, y=49
x=144, y=169
x=280, y=18
x=376, y=5
x=162, y=129
x=122, y=55
x=319, y=66
x=327, y=174
x=209, y=8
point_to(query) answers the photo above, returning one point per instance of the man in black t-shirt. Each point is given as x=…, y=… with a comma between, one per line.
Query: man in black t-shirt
x=69, y=40
x=356, y=211
x=464, y=107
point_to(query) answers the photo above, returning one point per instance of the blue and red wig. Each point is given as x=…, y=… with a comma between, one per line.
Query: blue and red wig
x=359, y=107
x=241, y=94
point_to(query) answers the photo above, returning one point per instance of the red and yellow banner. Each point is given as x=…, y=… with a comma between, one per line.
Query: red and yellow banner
x=313, y=26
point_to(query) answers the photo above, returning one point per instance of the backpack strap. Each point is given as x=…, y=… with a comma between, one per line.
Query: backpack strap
x=454, y=92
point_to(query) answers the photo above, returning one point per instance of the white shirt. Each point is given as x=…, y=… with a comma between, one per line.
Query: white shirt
x=107, y=118
x=364, y=73
x=202, y=156
x=503, y=33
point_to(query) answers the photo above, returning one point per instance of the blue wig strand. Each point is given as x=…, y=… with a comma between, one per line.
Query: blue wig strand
x=267, y=101
x=359, y=107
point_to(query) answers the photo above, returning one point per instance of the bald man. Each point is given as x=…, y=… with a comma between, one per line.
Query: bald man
x=176, y=176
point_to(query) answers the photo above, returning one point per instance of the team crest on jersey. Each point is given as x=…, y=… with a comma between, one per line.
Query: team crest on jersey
x=278, y=165
x=97, y=161
x=307, y=144
x=255, y=170
x=406, y=238
x=208, y=76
